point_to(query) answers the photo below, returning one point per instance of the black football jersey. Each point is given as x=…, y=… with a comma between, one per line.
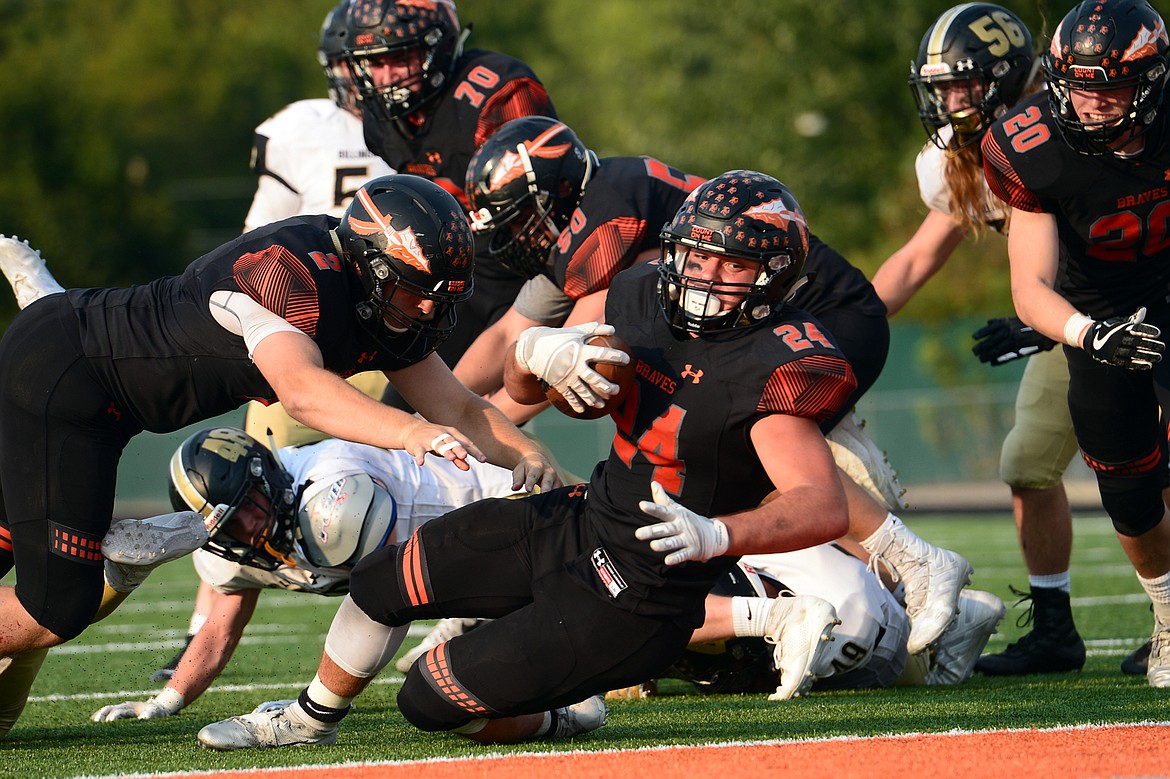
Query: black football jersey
x=168, y=363
x=1112, y=214
x=487, y=89
x=687, y=425
x=621, y=214
x=835, y=283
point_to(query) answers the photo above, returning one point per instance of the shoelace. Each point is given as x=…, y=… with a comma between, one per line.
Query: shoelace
x=872, y=567
x=1024, y=619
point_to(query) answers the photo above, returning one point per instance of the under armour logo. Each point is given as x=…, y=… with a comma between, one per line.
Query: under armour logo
x=692, y=374
x=1166, y=174
x=365, y=357
x=435, y=158
x=577, y=491
x=113, y=411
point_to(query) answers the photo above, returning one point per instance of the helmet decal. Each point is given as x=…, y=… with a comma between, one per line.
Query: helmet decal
x=400, y=244
x=1146, y=43
x=514, y=164
x=776, y=213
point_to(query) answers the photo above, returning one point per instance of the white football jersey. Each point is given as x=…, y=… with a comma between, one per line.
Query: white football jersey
x=930, y=166
x=420, y=494
x=871, y=639
x=311, y=158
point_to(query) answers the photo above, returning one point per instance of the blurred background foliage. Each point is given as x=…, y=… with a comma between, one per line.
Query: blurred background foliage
x=125, y=125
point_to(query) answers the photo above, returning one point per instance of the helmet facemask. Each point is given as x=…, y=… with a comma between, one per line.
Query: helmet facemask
x=408, y=241
x=968, y=123
x=696, y=305
x=523, y=230
x=524, y=183
x=742, y=216
x=982, y=49
x=1101, y=47
x=331, y=57
x=408, y=337
x=1103, y=137
x=245, y=497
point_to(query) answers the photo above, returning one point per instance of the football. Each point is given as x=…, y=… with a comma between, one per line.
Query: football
x=621, y=375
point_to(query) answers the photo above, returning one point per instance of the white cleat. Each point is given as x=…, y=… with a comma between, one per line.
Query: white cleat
x=444, y=630
x=282, y=727
x=135, y=547
x=933, y=578
x=26, y=271
x=570, y=721
x=154, y=540
x=800, y=628
x=960, y=645
x=1158, y=670
x=858, y=456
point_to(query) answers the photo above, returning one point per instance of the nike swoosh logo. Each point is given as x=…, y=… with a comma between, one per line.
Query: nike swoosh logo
x=1099, y=340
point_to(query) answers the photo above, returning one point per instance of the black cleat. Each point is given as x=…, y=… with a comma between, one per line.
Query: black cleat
x=1052, y=646
x=1137, y=661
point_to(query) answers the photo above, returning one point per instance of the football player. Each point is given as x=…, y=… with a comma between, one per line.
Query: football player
x=310, y=158
x=298, y=520
x=555, y=213
x=1082, y=167
x=427, y=105
x=279, y=313
x=975, y=63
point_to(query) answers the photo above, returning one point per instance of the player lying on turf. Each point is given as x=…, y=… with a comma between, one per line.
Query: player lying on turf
x=297, y=521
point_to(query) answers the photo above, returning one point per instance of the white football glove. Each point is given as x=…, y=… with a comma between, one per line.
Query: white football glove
x=682, y=532
x=164, y=704
x=559, y=357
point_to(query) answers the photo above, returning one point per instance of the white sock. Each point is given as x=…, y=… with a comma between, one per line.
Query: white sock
x=1158, y=589
x=749, y=615
x=321, y=694
x=197, y=621
x=1052, y=581
x=544, y=726
x=885, y=533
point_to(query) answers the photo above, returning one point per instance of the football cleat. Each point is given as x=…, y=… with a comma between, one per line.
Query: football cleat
x=135, y=547
x=278, y=727
x=800, y=628
x=444, y=630
x=1158, y=667
x=570, y=721
x=1051, y=646
x=1138, y=661
x=26, y=271
x=932, y=577
x=960, y=645
x=858, y=456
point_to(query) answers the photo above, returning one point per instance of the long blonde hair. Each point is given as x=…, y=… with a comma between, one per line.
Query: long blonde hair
x=969, y=198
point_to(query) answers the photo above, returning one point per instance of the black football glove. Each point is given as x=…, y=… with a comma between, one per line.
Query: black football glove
x=1003, y=340
x=1124, y=343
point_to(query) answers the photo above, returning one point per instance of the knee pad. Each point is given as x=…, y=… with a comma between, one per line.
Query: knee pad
x=425, y=708
x=1135, y=510
x=359, y=645
x=1131, y=491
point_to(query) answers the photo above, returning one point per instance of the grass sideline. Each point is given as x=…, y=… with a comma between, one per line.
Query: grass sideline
x=112, y=661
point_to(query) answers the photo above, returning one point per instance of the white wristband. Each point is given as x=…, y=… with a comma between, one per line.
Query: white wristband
x=1075, y=327
x=169, y=700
